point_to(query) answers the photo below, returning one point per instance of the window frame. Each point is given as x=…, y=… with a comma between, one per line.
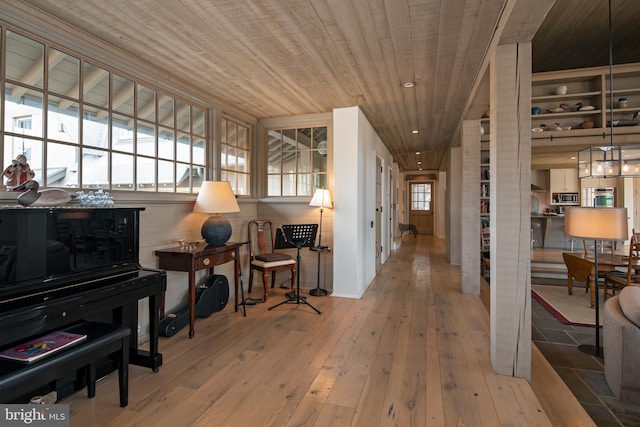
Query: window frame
x=199, y=165
x=315, y=178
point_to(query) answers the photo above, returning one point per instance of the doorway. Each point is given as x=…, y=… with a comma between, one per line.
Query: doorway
x=421, y=206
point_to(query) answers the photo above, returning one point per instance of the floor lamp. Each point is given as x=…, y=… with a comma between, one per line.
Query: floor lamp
x=596, y=224
x=322, y=199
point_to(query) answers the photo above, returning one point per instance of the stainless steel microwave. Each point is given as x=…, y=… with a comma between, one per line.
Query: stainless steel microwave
x=564, y=198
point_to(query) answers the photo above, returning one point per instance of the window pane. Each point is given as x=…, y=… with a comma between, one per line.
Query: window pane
x=183, y=147
x=224, y=164
x=146, y=174
x=304, y=161
x=199, y=121
x=30, y=148
x=165, y=110
x=63, y=73
x=320, y=180
x=243, y=161
x=165, y=176
x=122, y=100
x=95, y=85
x=231, y=133
x=183, y=116
x=289, y=184
x=23, y=111
x=62, y=165
x=146, y=103
x=289, y=139
x=122, y=171
x=319, y=162
x=243, y=140
x=304, y=184
x=303, y=138
x=273, y=187
x=62, y=120
x=95, y=168
x=146, y=139
x=24, y=54
x=274, y=164
x=183, y=181
x=121, y=133
x=165, y=144
x=198, y=151
x=231, y=158
x=95, y=127
x=242, y=188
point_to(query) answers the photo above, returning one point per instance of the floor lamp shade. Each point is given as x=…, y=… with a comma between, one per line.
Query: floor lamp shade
x=215, y=198
x=596, y=223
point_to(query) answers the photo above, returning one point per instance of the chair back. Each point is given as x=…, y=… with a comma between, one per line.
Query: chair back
x=260, y=236
x=578, y=268
x=634, y=257
x=603, y=246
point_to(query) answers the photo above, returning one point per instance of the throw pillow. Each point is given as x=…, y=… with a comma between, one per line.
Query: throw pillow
x=630, y=303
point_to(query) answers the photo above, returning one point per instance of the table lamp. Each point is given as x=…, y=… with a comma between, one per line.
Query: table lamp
x=596, y=224
x=322, y=199
x=216, y=197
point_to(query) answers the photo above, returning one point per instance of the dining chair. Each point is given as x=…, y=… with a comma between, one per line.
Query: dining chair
x=579, y=269
x=262, y=256
x=616, y=279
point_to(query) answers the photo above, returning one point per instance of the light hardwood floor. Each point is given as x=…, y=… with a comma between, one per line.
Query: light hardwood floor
x=413, y=351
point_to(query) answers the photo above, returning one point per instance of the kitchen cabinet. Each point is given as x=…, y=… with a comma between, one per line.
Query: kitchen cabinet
x=564, y=181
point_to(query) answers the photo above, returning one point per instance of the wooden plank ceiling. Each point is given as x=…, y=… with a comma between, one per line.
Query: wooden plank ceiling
x=273, y=58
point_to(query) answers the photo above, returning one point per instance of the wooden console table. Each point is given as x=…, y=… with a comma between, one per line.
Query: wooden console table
x=203, y=256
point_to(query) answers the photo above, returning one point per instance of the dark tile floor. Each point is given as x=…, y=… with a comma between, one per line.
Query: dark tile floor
x=583, y=373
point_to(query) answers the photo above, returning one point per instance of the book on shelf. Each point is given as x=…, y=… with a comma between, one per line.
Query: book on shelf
x=43, y=346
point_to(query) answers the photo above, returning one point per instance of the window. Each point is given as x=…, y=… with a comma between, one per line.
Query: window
x=296, y=161
x=235, y=155
x=420, y=197
x=115, y=133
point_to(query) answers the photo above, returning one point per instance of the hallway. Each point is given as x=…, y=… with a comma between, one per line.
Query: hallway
x=413, y=351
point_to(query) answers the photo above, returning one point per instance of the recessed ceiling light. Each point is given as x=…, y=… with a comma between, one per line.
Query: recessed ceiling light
x=417, y=152
x=572, y=157
x=419, y=162
x=408, y=85
x=414, y=131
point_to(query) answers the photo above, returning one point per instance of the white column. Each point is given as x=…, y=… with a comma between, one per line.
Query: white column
x=510, y=158
x=470, y=260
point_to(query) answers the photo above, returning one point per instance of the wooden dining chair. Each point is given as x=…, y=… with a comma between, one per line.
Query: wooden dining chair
x=616, y=280
x=579, y=269
x=262, y=256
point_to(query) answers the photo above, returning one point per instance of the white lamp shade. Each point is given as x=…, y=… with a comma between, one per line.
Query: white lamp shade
x=596, y=223
x=321, y=198
x=216, y=197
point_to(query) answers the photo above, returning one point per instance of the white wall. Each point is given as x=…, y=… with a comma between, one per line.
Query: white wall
x=356, y=146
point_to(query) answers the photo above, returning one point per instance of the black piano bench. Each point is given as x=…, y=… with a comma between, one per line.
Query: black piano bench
x=103, y=339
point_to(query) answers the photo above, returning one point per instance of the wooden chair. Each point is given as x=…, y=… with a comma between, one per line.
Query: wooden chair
x=263, y=258
x=579, y=269
x=618, y=280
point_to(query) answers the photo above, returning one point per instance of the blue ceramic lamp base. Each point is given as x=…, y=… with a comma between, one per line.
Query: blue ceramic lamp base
x=216, y=230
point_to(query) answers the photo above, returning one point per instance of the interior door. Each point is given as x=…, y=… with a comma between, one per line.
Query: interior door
x=421, y=206
x=378, y=220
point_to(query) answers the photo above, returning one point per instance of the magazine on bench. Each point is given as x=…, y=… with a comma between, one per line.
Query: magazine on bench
x=42, y=346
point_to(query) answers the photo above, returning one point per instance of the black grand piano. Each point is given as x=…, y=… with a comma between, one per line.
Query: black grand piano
x=60, y=265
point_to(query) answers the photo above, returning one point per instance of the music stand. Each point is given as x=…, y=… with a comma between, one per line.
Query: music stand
x=300, y=236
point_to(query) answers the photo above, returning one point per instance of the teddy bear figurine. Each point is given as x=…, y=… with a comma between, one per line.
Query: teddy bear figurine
x=18, y=172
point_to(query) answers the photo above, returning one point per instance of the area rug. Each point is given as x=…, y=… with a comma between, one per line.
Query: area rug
x=568, y=309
